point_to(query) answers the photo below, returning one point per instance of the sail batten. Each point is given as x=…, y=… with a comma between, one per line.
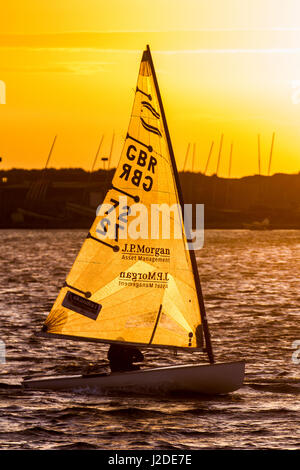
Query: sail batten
x=142, y=289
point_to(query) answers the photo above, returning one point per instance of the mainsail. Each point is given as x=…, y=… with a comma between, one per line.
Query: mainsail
x=136, y=287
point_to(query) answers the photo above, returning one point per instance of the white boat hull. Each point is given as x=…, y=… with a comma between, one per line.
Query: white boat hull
x=203, y=379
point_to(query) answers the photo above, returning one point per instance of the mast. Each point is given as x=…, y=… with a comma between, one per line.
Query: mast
x=230, y=160
x=219, y=156
x=86, y=191
x=229, y=174
x=208, y=344
x=217, y=171
x=96, y=156
x=271, y=153
x=38, y=189
x=186, y=156
x=259, y=168
x=48, y=159
x=194, y=154
x=208, y=158
x=258, y=151
x=111, y=150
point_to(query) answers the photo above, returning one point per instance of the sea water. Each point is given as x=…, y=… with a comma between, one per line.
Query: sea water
x=250, y=281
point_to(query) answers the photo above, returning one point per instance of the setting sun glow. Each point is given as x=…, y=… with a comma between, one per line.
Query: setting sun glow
x=224, y=67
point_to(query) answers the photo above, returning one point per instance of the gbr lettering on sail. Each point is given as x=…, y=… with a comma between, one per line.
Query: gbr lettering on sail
x=143, y=175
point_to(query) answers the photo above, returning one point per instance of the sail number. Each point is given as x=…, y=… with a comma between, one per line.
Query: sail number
x=105, y=223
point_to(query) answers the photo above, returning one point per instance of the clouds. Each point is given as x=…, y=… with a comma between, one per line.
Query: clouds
x=216, y=41
x=75, y=67
x=213, y=81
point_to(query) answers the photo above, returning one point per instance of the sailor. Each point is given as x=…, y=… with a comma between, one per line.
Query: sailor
x=121, y=357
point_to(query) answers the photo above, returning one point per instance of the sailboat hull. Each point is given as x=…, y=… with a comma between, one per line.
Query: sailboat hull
x=202, y=379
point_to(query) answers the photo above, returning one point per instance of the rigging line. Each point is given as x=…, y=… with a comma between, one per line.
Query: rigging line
x=156, y=323
x=114, y=247
x=149, y=147
x=87, y=294
x=135, y=198
x=48, y=159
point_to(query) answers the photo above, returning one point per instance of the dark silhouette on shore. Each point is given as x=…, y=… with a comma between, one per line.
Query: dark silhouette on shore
x=229, y=203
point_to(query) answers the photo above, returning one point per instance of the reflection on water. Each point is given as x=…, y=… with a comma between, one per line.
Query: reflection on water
x=252, y=292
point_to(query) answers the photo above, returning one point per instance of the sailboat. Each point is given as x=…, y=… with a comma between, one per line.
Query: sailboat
x=142, y=292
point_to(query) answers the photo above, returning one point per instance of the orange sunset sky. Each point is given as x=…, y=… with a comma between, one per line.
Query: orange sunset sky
x=224, y=66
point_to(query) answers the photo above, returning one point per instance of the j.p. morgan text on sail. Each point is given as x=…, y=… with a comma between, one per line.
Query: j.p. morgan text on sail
x=135, y=279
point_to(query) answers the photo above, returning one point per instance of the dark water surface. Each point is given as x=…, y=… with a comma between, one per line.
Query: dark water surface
x=252, y=292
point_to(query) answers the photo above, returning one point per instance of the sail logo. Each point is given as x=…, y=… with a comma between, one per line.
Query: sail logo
x=146, y=279
x=149, y=276
x=2, y=92
x=148, y=250
x=120, y=219
x=137, y=252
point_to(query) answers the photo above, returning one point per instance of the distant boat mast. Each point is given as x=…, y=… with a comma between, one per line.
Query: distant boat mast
x=258, y=152
x=194, y=154
x=111, y=150
x=208, y=158
x=229, y=174
x=43, y=175
x=186, y=156
x=271, y=153
x=97, y=154
x=86, y=191
x=230, y=160
x=50, y=153
x=219, y=156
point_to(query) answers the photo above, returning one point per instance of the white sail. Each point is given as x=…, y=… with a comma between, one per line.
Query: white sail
x=128, y=289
